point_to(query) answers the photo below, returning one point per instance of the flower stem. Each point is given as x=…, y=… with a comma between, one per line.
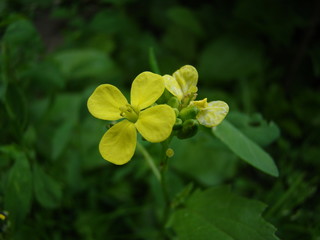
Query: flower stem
x=163, y=170
x=149, y=160
x=153, y=61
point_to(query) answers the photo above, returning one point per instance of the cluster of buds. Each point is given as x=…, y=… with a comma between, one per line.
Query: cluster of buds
x=186, y=124
x=181, y=93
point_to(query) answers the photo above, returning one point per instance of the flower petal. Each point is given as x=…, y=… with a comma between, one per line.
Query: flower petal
x=213, y=115
x=119, y=143
x=146, y=88
x=187, y=78
x=155, y=123
x=105, y=101
x=173, y=86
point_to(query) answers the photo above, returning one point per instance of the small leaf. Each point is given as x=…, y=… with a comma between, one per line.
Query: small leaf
x=47, y=190
x=18, y=190
x=61, y=138
x=221, y=215
x=245, y=148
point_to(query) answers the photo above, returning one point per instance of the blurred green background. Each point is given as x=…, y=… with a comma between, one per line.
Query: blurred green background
x=261, y=57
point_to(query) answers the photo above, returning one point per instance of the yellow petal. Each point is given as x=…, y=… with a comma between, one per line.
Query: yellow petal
x=155, y=123
x=119, y=143
x=173, y=86
x=146, y=88
x=200, y=103
x=187, y=78
x=213, y=115
x=105, y=101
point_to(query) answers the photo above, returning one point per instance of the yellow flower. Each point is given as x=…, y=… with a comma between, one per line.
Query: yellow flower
x=211, y=114
x=183, y=82
x=154, y=123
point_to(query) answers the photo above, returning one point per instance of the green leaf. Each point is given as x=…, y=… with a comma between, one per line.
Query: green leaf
x=255, y=127
x=84, y=63
x=217, y=162
x=20, y=33
x=18, y=190
x=245, y=148
x=185, y=18
x=47, y=191
x=229, y=57
x=23, y=41
x=61, y=138
x=218, y=214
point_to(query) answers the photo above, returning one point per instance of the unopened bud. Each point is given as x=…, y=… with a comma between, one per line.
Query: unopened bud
x=189, y=129
x=174, y=102
x=176, y=111
x=189, y=113
x=178, y=124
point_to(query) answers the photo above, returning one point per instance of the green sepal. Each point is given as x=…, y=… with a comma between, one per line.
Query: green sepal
x=189, y=129
x=189, y=113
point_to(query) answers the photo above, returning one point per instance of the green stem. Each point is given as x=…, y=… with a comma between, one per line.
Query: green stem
x=161, y=177
x=153, y=61
x=149, y=160
x=163, y=170
x=284, y=197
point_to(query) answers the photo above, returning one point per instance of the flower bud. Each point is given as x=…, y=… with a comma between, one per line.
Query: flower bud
x=189, y=113
x=178, y=124
x=176, y=111
x=174, y=102
x=189, y=129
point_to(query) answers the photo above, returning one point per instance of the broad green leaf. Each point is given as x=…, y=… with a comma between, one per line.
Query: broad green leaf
x=21, y=32
x=18, y=190
x=47, y=190
x=61, y=138
x=23, y=42
x=218, y=214
x=245, y=148
x=108, y=22
x=230, y=57
x=203, y=158
x=66, y=107
x=185, y=18
x=45, y=76
x=255, y=127
x=84, y=63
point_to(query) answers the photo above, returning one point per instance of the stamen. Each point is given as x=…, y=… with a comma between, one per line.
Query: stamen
x=129, y=112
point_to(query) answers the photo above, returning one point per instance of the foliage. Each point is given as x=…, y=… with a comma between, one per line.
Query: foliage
x=261, y=57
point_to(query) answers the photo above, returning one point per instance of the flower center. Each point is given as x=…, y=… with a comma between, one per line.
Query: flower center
x=129, y=112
